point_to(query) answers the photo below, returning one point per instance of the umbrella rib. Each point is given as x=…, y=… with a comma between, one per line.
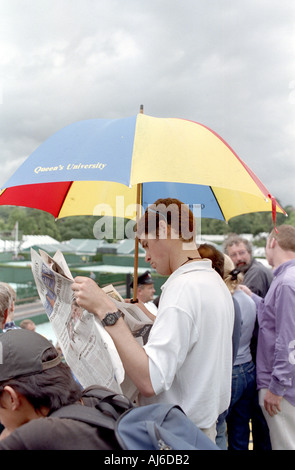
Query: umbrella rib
x=65, y=197
x=218, y=203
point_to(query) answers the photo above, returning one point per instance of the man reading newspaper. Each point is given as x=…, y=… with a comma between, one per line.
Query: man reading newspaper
x=187, y=359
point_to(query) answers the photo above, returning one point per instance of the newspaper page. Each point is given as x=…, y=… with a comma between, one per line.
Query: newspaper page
x=87, y=347
x=135, y=318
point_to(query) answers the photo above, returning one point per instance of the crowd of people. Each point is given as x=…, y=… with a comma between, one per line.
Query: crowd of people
x=222, y=344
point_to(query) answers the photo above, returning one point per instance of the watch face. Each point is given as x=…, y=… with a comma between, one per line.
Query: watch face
x=110, y=319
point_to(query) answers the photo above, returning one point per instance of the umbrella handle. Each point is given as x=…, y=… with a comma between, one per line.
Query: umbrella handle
x=138, y=202
x=136, y=246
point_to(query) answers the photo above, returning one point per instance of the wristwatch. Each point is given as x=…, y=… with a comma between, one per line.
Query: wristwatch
x=111, y=318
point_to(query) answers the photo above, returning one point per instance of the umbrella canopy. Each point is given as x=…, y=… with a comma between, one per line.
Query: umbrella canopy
x=94, y=161
x=106, y=166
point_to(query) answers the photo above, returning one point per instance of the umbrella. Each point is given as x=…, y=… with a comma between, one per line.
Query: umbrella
x=137, y=158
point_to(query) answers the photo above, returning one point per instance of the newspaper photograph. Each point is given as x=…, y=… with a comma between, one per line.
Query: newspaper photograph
x=87, y=347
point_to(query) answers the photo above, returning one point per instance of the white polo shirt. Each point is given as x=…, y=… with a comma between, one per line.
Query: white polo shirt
x=190, y=344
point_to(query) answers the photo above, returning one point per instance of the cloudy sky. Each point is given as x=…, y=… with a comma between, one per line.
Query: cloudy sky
x=229, y=64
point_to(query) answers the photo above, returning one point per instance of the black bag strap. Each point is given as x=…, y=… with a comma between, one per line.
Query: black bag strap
x=108, y=408
x=85, y=414
x=104, y=413
x=108, y=397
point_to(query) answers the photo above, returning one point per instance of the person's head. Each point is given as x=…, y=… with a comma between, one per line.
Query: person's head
x=217, y=258
x=166, y=228
x=232, y=276
x=280, y=245
x=177, y=216
x=5, y=304
x=13, y=299
x=33, y=380
x=223, y=265
x=145, y=287
x=11, y=290
x=145, y=292
x=28, y=324
x=239, y=249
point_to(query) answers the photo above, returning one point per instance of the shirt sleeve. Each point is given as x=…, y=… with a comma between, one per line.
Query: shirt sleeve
x=169, y=341
x=257, y=299
x=283, y=374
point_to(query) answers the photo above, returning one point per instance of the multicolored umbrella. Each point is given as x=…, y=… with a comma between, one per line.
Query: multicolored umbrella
x=70, y=173
x=91, y=165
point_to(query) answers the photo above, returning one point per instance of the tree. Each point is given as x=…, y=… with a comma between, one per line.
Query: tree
x=36, y=222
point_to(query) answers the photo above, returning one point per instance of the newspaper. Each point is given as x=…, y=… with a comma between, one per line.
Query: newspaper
x=87, y=347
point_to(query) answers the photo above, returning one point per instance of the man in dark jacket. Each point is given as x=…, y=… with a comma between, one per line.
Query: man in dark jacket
x=257, y=277
x=33, y=384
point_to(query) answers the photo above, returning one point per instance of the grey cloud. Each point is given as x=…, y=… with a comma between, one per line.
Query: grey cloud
x=228, y=64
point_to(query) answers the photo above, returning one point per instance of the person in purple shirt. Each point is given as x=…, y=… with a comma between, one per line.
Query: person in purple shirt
x=275, y=362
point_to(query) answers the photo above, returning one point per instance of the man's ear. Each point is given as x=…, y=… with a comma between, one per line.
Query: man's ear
x=272, y=243
x=4, y=318
x=12, y=399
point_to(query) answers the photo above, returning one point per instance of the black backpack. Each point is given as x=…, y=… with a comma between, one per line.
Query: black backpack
x=150, y=427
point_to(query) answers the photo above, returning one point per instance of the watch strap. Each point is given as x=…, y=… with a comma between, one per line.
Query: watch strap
x=116, y=314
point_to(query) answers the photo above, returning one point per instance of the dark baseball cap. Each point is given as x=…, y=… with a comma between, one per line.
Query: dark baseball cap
x=21, y=354
x=145, y=278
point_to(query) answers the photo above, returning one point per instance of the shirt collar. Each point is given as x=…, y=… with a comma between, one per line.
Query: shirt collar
x=282, y=267
x=202, y=265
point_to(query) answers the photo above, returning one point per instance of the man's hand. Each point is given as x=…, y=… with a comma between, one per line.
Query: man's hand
x=90, y=296
x=245, y=289
x=272, y=403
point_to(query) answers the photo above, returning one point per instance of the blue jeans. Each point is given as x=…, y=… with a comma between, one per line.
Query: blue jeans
x=239, y=413
x=221, y=439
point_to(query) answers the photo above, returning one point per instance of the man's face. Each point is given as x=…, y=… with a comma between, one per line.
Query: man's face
x=146, y=292
x=240, y=256
x=157, y=254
